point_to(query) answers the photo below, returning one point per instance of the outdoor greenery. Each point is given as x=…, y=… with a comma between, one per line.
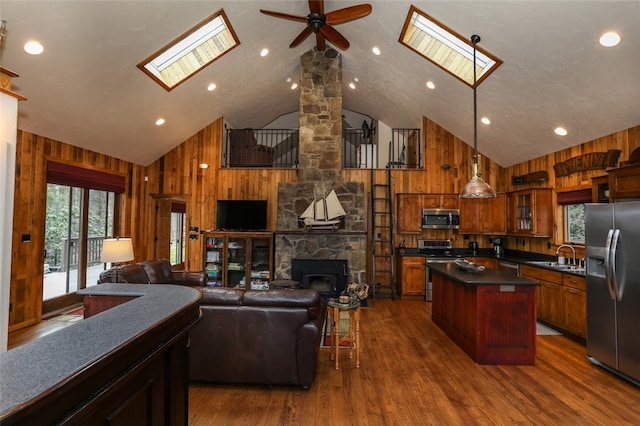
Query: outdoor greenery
x=575, y=215
x=63, y=213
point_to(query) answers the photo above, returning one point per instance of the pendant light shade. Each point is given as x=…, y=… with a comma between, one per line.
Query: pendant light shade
x=476, y=187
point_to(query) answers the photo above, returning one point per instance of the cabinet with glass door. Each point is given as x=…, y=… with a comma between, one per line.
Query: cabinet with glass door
x=531, y=212
x=239, y=259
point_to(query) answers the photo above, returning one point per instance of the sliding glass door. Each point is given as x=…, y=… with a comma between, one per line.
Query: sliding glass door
x=77, y=220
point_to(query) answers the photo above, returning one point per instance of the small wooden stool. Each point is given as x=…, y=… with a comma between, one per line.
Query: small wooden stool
x=353, y=334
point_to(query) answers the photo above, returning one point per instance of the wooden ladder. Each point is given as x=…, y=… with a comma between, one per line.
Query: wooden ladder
x=382, y=249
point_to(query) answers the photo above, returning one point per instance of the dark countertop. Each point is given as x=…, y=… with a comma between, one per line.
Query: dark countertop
x=513, y=256
x=43, y=365
x=486, y=277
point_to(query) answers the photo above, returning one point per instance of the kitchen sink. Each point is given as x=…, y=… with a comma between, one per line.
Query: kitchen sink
x=556, y=265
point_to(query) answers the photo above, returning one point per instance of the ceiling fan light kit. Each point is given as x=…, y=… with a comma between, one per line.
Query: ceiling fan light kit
x=321, y=24
x=476, y=187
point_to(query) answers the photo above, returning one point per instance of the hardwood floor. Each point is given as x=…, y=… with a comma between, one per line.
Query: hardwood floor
x=412, y=374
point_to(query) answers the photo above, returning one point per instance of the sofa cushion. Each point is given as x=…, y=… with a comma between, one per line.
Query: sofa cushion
x=133, y=274
x=158, y=271
x=221, y=296
x=287, y=298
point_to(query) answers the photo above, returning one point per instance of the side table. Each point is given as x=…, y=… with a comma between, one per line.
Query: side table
x=352, y=336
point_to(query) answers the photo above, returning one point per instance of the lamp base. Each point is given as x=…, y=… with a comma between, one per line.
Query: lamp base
x=115, y=274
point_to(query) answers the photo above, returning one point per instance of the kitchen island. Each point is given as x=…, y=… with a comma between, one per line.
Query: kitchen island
x=489, y=314
x=126, y=365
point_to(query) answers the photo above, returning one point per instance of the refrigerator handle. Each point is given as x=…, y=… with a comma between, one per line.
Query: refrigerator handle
x=607, y=264
x=612, y=264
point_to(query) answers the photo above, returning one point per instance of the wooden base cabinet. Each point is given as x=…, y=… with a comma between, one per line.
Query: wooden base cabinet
x=411, y=277
x=562, y=299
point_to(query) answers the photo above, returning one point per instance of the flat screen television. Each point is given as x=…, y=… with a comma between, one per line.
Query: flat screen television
x=241, y=215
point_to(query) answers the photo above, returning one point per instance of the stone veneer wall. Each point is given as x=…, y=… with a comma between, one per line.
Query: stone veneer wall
x=292, y=242
x=320, y=167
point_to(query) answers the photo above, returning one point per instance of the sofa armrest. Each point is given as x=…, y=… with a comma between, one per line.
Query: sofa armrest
x=193, y=279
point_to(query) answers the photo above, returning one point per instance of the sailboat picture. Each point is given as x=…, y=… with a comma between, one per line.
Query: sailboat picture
x=323, y=213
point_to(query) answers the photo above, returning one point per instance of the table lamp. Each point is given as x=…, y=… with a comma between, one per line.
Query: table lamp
x=115, y=251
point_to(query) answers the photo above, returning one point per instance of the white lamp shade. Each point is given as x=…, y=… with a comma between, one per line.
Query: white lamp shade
x=116, y=250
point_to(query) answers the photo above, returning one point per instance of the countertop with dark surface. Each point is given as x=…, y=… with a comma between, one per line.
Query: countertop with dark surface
x=485, y=277
x=43, y=366
x=513, y=256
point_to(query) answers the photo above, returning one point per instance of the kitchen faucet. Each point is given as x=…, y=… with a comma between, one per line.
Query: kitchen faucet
x=572, y=249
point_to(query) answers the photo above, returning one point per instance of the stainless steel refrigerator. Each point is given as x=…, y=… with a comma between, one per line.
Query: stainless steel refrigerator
x=613, y=287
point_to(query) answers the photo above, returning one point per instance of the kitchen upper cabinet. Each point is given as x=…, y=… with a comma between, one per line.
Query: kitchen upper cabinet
x=530, y=212
x=600, y=189
x=411, y=278
x=409, y=213
x=624, y=183
x=409, y=209
x=484, y=215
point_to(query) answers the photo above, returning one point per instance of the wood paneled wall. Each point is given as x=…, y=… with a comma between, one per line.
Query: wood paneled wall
x=447, y=168
x=27, y=266
x=625, y=140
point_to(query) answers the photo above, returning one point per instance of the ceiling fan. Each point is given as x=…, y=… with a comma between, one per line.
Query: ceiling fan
x=322, y=24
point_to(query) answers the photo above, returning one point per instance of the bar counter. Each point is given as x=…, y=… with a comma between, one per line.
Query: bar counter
x=126, y=365
x=490, y=315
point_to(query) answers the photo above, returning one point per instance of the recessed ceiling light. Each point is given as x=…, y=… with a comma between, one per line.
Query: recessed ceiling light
x=485, y=120
x=560, y=131
x=610, y=39
x=430, y=85
x=211, y=87
x=33, y=48
x=203, y=165
x=376, y=51
x=159, y=121
x=294, y=86
x=289, y=80
x=356, y=79
x=352, y=85
x=264, y=52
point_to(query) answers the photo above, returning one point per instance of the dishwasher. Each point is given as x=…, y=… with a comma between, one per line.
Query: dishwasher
x=509, y=268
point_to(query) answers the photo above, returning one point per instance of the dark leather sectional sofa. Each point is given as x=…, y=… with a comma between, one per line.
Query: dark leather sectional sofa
x=267, y=337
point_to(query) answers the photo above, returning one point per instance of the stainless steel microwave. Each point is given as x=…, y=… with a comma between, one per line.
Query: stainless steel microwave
x=440, y=218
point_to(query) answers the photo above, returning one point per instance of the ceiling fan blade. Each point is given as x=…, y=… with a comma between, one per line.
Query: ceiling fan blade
x=285, y=16
x=301, y=37
x=347, y=14
x=334, y=37
x=316, y=6
x=320, y=41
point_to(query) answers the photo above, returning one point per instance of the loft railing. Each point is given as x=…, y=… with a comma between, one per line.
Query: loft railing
x=278, y=148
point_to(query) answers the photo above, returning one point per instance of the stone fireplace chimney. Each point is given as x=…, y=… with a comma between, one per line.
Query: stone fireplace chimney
x=320, y=170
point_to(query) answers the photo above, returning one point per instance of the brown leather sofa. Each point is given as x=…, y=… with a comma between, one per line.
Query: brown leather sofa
x=156, y=271
x=254, y=336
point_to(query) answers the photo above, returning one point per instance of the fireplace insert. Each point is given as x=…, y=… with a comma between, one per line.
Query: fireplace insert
x=327, y=276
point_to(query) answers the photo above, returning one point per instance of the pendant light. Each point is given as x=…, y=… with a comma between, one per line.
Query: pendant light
x=476, y=187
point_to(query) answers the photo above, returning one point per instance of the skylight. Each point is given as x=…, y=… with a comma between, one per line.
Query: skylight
x=445, y=48
x=191, y=52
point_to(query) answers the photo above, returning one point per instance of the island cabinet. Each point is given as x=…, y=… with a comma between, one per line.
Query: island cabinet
x=562, y=300
x=491, y=316
x=530, y=212
x=409, y=209
x=486, y=216
x=411, y=277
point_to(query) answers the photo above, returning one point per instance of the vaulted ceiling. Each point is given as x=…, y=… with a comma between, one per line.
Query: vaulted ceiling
x=86, y=90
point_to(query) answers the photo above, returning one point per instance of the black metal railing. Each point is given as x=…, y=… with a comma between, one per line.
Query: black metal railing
x=265, y=148
x=261, y=148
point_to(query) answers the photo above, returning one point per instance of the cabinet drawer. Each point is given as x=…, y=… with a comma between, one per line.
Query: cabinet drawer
x=570, y=280
x=541, y=274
